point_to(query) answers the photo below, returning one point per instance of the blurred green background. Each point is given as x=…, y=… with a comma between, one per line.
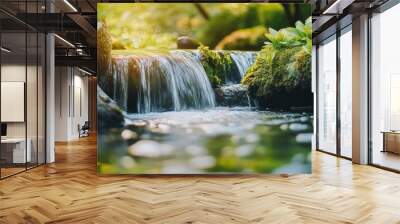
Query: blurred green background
x=230, y=26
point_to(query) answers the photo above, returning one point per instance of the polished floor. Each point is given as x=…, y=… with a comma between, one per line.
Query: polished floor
x=387, y=159
x=70, y=191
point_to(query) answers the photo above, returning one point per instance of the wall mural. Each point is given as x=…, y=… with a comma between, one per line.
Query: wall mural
x=193, y=88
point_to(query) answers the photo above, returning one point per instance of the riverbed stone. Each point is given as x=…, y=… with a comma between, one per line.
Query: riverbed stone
x=232, y=95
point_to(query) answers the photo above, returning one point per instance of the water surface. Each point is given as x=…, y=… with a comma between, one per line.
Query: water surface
x=217, y=140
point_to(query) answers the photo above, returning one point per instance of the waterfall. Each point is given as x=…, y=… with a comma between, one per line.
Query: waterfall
x=148, y=81
x=162, y=82
x=120, y=79
x=243, y=60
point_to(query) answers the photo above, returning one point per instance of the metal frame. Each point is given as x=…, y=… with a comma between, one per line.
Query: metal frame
x=381, y=9
x=339, y=32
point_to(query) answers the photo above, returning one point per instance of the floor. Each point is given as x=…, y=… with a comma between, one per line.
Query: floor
x=70, y=191
x=10, y=171
x=387, y=159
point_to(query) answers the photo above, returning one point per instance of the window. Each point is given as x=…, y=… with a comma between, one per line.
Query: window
x=327, y=95
x=385, y=89
x=346, y=92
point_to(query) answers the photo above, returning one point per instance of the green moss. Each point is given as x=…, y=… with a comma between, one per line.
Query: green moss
x=281, y=75
x=218, y=65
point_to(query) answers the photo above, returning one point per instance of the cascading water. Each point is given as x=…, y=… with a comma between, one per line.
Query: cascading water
x=161, y=82
x=243, y=60
x=120, y=78
x=152, y=81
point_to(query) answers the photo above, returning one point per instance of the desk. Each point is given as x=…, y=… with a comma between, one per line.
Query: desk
x=391, y=141
x=15, y=148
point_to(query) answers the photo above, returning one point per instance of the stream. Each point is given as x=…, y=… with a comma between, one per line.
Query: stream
x=175, y=125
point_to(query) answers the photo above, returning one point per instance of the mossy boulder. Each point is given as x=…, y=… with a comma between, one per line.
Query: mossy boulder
x=104, y=60
x=219, y=66
x=245, y=39
x=280, y=78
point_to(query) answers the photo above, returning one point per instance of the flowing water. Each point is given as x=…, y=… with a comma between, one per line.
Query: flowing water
x=173, y=125
x=243, y=60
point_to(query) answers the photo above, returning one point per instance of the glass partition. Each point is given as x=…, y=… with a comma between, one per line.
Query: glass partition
x=41, y=96
x=385, y=89
x=31, y=98
x=22, y=87
x=346, y=92
x=327, y=95
x=14, y=153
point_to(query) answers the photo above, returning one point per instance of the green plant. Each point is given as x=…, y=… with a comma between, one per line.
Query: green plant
x=218, y=65
x=300, y=35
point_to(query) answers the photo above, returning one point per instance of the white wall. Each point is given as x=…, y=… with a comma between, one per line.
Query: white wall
x=33, y=126
x=71, y=102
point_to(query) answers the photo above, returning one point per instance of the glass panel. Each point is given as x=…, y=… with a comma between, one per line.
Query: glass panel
x=385, y=89
x=41, y=99
x=32, y=87
x=327, y=96
x=13, y=86
x=346, y=94
x=31, y=98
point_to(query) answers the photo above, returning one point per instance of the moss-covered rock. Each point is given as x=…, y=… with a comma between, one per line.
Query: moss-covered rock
x=104, y=60
x=218, y=65
x=281, y=75
x=280, y=78
x=244, y=39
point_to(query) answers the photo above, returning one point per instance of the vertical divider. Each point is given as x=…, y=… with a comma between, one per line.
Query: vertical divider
x=338, y=80
x=26, y=86
x=0, y=98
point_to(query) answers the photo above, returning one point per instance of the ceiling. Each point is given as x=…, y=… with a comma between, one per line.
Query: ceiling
x=74, y=22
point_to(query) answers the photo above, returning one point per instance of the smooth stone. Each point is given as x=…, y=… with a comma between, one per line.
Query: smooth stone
x=151, y=149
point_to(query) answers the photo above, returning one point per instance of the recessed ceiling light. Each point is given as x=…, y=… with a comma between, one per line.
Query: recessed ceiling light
x=84, y=71
x=65, y=41
x=70, y=5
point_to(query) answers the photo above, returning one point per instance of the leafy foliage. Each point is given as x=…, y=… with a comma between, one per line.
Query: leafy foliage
x=156, y=26
x=291, y=36
x=218, y=65
x=281, y=75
